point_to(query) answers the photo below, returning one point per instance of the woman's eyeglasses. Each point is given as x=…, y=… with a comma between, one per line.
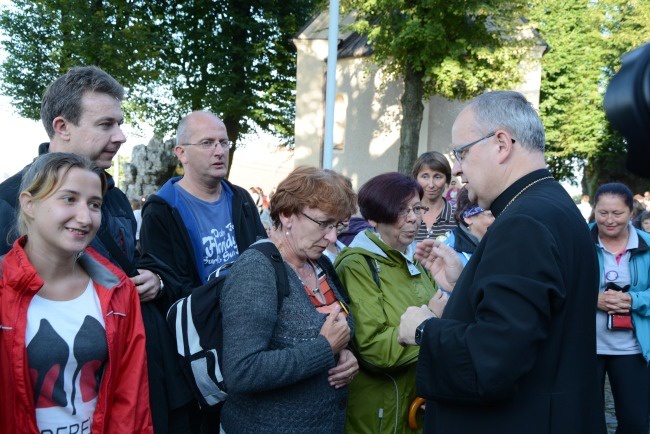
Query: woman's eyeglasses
x=417, y=210
x=327, y=226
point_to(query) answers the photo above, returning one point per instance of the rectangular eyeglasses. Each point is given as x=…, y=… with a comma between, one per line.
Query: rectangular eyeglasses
x=211, y=144
x=461, y=151
x=326, y=226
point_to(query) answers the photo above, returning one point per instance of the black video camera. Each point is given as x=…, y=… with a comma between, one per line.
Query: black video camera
x=627, y=106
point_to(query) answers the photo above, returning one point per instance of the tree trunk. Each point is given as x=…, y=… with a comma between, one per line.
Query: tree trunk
x=591, y=178
x=232, y=126
x=412, y=112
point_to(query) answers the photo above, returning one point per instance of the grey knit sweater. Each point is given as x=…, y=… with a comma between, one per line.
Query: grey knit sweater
x=275, y=363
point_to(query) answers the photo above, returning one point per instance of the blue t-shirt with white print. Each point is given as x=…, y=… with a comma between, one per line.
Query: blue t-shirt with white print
x=215, y=229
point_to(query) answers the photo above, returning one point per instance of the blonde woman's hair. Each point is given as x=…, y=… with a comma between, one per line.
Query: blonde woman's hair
x=44, y=176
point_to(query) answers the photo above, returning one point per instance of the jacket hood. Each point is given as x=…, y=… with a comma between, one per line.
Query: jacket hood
x=363, y=241
x=368, y=243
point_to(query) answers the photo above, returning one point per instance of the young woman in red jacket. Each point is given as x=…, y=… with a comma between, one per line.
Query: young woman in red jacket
x=72, y=346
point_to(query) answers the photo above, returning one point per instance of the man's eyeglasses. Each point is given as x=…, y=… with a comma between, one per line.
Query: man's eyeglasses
x=211, y=144
x=326, y=226
x=417, y=210
x=461, y=151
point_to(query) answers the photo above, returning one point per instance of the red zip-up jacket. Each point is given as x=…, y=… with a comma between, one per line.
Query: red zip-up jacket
x=123, y=401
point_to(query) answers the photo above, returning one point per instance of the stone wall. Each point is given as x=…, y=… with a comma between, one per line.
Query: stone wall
x=151, y=166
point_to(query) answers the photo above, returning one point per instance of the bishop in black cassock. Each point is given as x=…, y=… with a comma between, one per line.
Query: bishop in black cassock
x=515, y=350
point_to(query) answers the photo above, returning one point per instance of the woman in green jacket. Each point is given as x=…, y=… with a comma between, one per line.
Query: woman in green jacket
x=383, y=279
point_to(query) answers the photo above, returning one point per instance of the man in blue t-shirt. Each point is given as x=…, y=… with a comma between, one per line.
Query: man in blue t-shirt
x=198, y=222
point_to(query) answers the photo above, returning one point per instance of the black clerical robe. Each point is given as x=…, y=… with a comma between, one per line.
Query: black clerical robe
x=515, y=351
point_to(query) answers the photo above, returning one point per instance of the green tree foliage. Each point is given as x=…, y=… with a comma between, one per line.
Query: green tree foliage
x=233, y=57
x=44, y=38
x=587, y=39
x=452, y=49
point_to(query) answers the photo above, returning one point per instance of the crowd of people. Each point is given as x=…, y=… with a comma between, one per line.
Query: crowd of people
x=414, y=305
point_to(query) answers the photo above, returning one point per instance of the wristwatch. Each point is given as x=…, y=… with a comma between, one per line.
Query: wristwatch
x=420, y=331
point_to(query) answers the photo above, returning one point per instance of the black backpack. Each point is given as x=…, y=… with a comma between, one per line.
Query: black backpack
x=196, y=323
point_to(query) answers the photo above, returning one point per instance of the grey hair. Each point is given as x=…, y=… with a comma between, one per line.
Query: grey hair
x=510, y=111
x=181, y=130
x=63, y=96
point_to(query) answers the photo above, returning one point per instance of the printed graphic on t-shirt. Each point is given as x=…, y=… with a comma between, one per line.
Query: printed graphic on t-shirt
x=66, y=354
x=213, y=226
x=220, y=246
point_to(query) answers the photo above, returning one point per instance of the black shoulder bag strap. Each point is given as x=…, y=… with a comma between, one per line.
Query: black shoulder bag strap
x=373, y=270
x=281, y=278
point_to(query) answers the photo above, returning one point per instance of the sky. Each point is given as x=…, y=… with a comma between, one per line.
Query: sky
x=21, y=136
x=21, y=139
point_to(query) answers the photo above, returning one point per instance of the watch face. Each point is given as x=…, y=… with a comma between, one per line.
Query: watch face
x=418, y=333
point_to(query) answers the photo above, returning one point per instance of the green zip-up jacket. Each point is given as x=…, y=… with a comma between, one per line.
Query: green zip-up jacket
x=380, y=396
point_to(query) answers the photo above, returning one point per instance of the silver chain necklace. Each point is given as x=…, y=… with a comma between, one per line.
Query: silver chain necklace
x=524, y=189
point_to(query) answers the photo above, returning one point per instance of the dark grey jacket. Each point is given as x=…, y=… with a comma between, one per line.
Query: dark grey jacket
x=275, y=362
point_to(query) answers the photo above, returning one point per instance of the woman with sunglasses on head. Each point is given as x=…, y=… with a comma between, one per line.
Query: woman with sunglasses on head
x=286, y=368
x=383, y=280
x=72, y=344
x=432, y=171
x=623, y=315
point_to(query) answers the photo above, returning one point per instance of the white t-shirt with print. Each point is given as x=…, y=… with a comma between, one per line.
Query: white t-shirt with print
x=67, y=353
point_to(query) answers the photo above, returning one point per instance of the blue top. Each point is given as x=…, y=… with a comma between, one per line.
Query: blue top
x=172, y=196
x=639, y=285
